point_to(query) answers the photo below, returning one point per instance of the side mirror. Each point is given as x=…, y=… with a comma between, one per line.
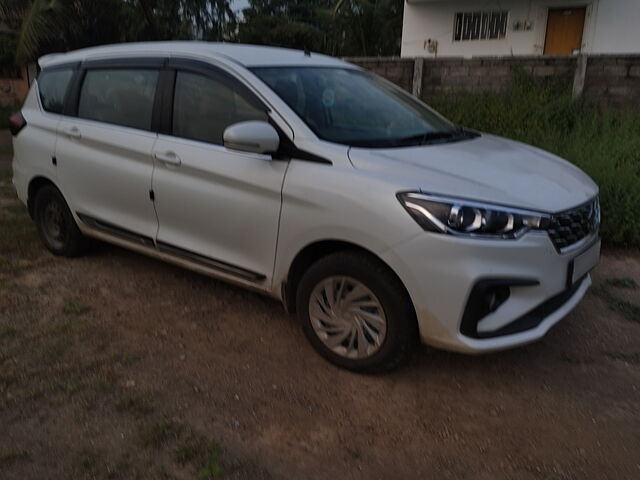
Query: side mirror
x=253, y=136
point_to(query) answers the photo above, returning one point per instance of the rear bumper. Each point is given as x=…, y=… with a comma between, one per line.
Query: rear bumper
x=441, y=274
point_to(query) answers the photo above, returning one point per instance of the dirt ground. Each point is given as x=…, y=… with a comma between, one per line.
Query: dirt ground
x=117, y=366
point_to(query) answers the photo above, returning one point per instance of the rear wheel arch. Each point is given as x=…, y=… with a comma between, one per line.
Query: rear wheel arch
x=35, y=185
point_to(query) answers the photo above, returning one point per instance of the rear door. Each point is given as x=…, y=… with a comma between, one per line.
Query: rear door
x=104, y=150
x=216, y=206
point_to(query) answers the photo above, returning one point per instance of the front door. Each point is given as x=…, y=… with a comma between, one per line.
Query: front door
x=216, y=206
x=564, y=31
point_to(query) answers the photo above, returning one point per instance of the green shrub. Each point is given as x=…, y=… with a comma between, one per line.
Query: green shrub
x=604, y=143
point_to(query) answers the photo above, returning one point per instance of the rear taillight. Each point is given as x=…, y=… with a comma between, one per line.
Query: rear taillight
x=16, y=123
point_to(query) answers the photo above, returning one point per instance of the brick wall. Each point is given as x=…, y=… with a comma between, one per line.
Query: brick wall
x=492, y=74
x=609, y=79
x=613, y=81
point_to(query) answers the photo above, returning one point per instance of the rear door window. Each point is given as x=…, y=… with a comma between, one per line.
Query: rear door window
x=52, y=86
x=205, y=106
x=119, y=96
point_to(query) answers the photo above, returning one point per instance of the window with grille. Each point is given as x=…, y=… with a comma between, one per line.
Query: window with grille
x=480, y=25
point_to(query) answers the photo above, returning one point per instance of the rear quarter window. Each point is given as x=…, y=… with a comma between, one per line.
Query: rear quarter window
x=52, y=86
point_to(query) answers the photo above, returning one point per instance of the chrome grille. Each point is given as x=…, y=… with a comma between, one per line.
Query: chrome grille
x=569, y=227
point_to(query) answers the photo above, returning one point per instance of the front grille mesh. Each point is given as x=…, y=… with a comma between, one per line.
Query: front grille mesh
x=569, y=227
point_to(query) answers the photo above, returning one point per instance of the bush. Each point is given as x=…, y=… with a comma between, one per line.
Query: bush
x=604, y=143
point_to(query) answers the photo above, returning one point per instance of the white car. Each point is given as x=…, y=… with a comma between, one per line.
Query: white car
x=311, y=180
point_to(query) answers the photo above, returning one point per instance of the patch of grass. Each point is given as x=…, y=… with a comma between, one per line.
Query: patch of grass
x=4, y=262
x=86, y=459
x=604, y=143
x=622, y=282
x=9, y=457
x=213, y=467
x=355, y=452
x=189, y=452
x=627, y=309
x=75, y=307
x=52, y=349
x=633, y=357
x=71, y=324
x=128, y=359
x=7, y=331
x=568, y=358
x=4, y=383
x=134, y=404
x=158, y=433
x=102, y=384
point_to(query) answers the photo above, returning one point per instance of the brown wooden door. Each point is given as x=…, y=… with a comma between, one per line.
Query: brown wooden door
x=564, y=31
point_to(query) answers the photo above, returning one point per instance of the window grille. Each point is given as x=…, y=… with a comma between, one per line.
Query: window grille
x=480, y=25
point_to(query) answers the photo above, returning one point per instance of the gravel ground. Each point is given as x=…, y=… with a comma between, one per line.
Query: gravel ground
x=114, y=365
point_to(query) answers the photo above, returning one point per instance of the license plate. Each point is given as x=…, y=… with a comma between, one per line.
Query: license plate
x=585, y=262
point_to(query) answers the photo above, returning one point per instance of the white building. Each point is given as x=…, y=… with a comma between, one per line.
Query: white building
x=519, y=27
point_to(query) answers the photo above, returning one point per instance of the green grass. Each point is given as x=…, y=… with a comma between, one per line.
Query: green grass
x=74, y=307
x=605, y=144
x=213, y=467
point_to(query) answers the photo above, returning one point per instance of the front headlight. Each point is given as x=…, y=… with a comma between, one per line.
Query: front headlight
x=475, y=219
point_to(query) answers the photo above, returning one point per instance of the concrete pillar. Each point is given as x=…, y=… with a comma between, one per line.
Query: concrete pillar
x=416, y=85
x=579, y=76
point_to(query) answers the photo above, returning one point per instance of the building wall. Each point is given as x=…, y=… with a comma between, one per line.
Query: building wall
x=610, y=27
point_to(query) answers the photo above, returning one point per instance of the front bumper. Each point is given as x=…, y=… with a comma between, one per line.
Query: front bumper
x=441, y=271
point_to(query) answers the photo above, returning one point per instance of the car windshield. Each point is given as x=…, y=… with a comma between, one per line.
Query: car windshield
x=357, y=108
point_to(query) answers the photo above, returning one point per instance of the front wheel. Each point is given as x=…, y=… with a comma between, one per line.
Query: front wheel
x=356, y=313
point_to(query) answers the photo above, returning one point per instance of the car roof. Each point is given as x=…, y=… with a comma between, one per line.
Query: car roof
x=245, y=55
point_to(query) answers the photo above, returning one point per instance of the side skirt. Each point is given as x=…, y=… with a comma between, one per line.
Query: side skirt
x=124, y=238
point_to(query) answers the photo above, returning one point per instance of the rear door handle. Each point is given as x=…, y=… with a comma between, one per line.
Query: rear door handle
x=170, y=158
x=73, y=132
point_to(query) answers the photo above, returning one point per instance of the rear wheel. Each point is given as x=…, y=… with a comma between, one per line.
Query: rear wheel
x=55, y=223
x=356, y=313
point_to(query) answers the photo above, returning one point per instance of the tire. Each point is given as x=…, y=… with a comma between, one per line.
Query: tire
x=55, y=223
x=364, y=284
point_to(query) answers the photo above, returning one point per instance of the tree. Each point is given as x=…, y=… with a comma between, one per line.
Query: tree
x=288, y=23
x=371, y=27
x=342, y=27
x=45, y=26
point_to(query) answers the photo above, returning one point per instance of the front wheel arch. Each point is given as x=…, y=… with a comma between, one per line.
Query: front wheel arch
x=314, y=252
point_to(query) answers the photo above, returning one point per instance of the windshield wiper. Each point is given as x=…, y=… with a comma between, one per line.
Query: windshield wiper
x=426, y=138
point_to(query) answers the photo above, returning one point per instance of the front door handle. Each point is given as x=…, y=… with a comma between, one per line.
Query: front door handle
x=170, y=158
x=74, y=132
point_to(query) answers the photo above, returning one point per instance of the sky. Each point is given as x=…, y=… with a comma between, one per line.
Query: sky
x=239, y=4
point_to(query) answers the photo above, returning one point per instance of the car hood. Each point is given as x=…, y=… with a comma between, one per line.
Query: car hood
x=487, y=168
